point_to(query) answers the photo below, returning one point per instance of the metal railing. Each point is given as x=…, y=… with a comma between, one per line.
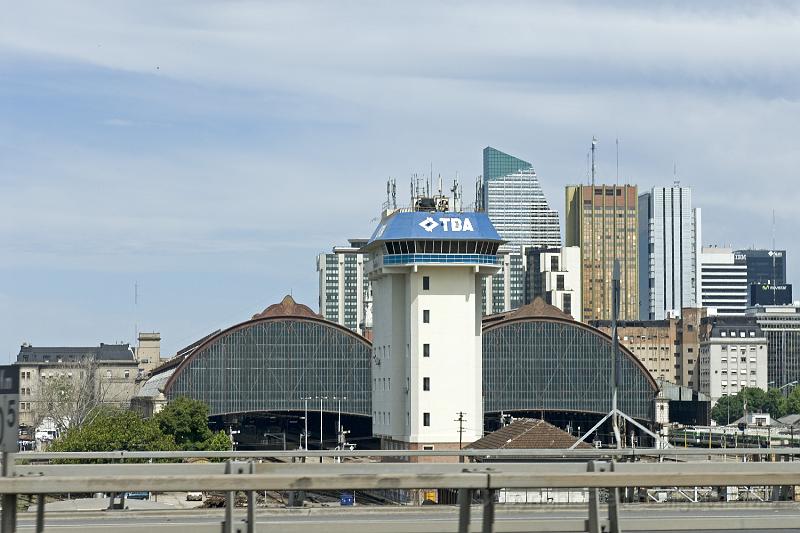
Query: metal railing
x=466, y=478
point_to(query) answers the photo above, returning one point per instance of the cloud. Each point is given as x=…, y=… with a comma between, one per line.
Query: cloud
x=242, y=138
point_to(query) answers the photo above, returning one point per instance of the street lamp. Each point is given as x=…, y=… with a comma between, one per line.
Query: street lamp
x=320, y=423
x=305, y=420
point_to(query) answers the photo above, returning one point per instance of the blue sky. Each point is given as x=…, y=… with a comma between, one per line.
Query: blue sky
x=209, y=150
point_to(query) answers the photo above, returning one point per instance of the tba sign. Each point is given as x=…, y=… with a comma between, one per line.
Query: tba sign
x=9, y=406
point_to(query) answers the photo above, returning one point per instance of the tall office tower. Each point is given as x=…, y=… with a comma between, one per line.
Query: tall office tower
x=602, y=221
x=668, y=236
x=515, y=203
x=766, y=276
x=426, y=269
x=781, y=324
x=344, y=290
x=554, y=274
x=723, y=282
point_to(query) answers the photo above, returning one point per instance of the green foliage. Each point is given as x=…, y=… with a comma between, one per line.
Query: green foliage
x=793, y=401
x=187, y=421
x=730, y=408
x=114, y=430
x=182, y=425
x=218, y=442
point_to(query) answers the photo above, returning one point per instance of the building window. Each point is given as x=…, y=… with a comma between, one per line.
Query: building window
x=426, y=350
x=426, y=419
x=426, y=316
x=554, y=263
x=560, y=282
x=426, y=283
x=426, y=384
x=568, y=304
x=427, y=447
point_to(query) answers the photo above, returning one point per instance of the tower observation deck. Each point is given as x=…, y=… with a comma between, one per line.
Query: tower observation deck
x=426, y=269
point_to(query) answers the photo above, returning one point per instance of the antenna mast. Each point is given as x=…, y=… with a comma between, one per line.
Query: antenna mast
x=594, y=144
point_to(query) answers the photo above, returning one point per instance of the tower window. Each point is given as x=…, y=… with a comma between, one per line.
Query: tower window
x=426, y=350
x=426, y=316
x=426, y=419
x=426, y=384
x=426, y=283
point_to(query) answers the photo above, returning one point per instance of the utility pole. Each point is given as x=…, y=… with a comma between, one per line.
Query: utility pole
x=460, y=421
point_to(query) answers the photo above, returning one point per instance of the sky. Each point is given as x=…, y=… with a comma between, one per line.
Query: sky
x=177, y=166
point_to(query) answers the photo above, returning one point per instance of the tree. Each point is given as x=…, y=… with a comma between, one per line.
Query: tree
x=187, y=421
x=728, y=409
x=776, y=403
x=111, y=430
x=793, y=402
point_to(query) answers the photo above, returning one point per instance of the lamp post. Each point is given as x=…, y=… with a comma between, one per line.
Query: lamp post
x=305, y=420
x=320, y=424
x=339, y=429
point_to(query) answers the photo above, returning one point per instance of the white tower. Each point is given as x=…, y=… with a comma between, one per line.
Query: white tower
x=426, y=269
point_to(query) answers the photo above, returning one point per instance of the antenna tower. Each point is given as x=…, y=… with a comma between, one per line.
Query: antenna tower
x=594, y=168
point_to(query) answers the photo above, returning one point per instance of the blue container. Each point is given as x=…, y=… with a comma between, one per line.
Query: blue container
x=347, y=498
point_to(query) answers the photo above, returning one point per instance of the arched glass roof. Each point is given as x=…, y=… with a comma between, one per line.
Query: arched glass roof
x=557, y=364
x=272, y=363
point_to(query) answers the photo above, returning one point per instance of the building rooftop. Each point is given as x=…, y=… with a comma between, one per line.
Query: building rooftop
x=538, y=308
x=526, y=434
x=436, y=225
x=287, y=307
x=67, y=354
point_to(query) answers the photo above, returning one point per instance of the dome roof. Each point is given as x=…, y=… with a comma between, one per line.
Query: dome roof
x=287, y=307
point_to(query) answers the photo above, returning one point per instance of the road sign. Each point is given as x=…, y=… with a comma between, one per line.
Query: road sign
x=9, y=408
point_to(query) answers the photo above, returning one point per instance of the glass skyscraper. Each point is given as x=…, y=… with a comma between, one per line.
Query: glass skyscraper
x=669, y=232
x=515, y=203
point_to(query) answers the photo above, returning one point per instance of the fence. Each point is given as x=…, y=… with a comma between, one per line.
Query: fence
x=466, y=478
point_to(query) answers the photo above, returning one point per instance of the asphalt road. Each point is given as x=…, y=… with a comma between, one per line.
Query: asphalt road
x=771, y=518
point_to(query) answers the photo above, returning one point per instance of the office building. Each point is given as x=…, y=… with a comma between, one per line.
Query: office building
x=101, y=375
x=344, y=290
x=426, y=268
x=770, y=294
x=603, y=221
x=763, y=266
x=554, y=274
x=513, y=199
x=505, y=290
x=687, y=366
x=723, y=282
x=766, y=276
x=669, y=230
x=653, y=342
x=733, y=355
x=781, y=325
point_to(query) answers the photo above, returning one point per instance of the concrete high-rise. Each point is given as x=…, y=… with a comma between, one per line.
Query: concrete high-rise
x=723, y=282
x=426, y=270
x=344, y=290
x=669, y=230
x=514, y=200
x=602, y=221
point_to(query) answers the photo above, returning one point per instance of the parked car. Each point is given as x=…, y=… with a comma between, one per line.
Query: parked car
x=137, y=495
x=194, y=496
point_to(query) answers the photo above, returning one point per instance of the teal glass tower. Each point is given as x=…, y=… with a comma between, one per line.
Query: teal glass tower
x=515, y=203
x=497, y=163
